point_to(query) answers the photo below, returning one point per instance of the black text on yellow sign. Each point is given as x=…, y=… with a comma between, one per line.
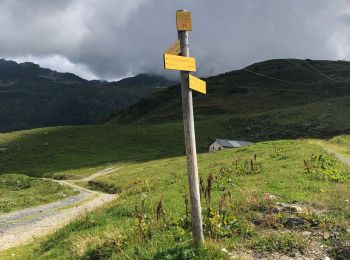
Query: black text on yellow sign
x=197, y=84
x=184, y=21
x=174, y=62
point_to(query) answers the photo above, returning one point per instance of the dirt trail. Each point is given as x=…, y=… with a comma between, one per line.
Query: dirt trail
x=345, y=159
x=27, y=224
x=100, y=173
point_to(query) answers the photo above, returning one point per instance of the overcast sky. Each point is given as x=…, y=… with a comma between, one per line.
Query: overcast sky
x=111, y=39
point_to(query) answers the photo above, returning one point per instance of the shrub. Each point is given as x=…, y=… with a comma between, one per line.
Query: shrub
x=223, y=224
x=104, y=246
x=184, y=252
x=285, y=243
x=243, y=167
x=325, y=167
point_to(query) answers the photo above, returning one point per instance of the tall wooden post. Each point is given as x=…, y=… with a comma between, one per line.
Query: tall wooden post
x=190, y=141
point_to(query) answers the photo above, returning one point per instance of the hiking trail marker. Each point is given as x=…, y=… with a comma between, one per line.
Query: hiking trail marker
x=174, y=62
x=183, y=20
x=174, y=49
x=197, y=84
x=175, y=59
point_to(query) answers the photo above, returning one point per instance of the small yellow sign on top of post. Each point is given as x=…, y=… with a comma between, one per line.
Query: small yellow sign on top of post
x=184, y=21
x=197, y=84
x=174, y=62
x=174, y=49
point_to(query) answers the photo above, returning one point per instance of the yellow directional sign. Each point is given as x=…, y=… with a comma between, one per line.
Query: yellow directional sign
x=174, y=49
x=198, y=84
x=174, y=62
x=184, y=21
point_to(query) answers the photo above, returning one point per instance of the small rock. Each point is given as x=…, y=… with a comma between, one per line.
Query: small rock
x=46, y=144
x=277, y=209
x=290, y=208
x=224, y=250
x=281, y=204
x=335, y=234
x=347, y=201
x=269, y=196
x=348, y=230
x=227, y=252
x=292, y=222
x=326, y=235
x=306, y=233
x=296, y=209
x=3, y=149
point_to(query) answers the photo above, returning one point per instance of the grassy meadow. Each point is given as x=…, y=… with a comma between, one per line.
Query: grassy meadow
x=21, y=191
x=149, y=220
x=342, y=142
x=73, y=153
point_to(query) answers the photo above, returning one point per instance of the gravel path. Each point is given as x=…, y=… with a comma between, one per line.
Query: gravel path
x=100, y=173
x=27, y=224
x=345, y=159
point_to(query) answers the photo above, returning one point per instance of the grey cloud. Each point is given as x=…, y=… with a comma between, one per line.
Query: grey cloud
x=345, y=18
x=114, y=38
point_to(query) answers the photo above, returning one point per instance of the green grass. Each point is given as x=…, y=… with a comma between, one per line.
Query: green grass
x=114, y=231
x=20, y=191
x=342, y=141
x=153, y=167
x=82, y=150
x=78, y=151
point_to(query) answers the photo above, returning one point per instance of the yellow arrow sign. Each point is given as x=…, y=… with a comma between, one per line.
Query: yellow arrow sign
x=198, y=84
x=174, y=49
x=174, y=62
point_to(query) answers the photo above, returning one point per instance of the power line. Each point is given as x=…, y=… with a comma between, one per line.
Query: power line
x=250, y=71
x=228, y=64
x=296, y=16
x=288, y=60
x=314, y=70
x=150, y=28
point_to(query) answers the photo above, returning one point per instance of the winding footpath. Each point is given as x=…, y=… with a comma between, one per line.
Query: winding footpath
x=336, y=151
x=25, y=225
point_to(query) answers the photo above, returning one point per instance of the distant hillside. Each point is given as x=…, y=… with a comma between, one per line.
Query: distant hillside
x=318, y=91
x=31, y=96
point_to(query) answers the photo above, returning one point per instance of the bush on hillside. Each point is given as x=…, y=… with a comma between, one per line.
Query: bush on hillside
x=325, y=167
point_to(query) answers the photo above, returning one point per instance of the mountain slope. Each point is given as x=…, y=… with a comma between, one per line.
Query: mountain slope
x=275, y=199
x=301, y=102
x=31, y=96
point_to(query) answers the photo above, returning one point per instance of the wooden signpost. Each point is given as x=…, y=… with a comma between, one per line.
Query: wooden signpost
x=185, y=64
